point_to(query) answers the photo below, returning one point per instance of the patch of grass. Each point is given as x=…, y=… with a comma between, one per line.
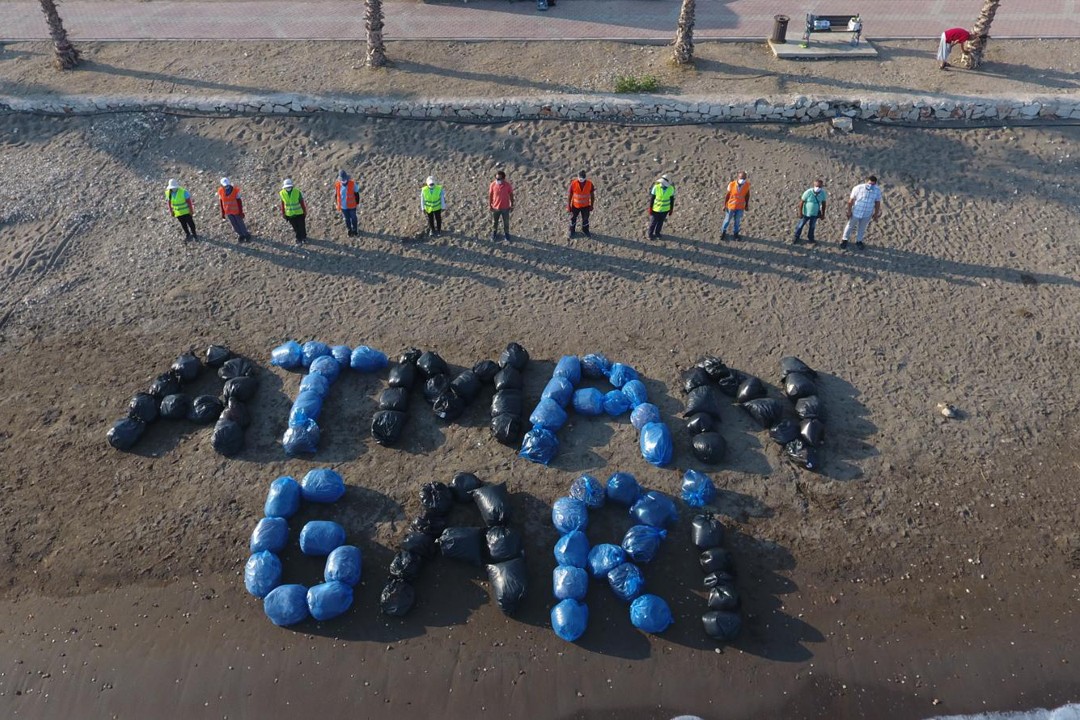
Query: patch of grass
x=636, y=83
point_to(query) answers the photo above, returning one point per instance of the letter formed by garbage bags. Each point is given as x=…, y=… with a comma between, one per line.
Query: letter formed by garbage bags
x=649, y=613
x=569, y=619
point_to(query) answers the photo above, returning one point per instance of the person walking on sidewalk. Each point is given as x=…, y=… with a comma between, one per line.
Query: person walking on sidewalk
x=952, y=36
x=863, y=206
x=501, y=202
x=182, y=208
x=345, y=200
x=580, y=202
x=294, y=210
x=736, y=202
x=232, y=208
x=432, y=204
x=661, y=204
x=811, y=209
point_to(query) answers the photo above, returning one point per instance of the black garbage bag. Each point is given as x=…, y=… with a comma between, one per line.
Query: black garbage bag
x=810, y=407
x=695, y=377
x=463, y=543
x=508, y=402
x=494, y=504
x=387, y=425
x=784, y=431
x=812, y=431
x=508, y=583
x=729, y=384
x=508, y=429
x=406, y=565
x=703, y=400
x=435, y=386
x=449, y=406
x=228, y=437
x=402, y=376
x=801, y=453
x=394, y=398
x=397, y=598
x=791, y=364
x=125, y=432
x=431, y=364
x=466, y=385
x=750, y=389
x=205, y=409
x=186, y=367
x=503, y=543
x=706, y=532
x=514, y=356
x=143, y=406
x=462, y=486
x=409, y=356
x=429, y=523
x=717, y=579
x=508, y=378
x=699, y=423
x=217, y=355
x=722, y=625
x=419, y=544
x=235, y=411
x=799, y=385
x=709, y=447
x=767, y=411
x=175, y=406
x=716, y=559
x=164, y=384
x=240, y=388
x=486, y=370
x=714, y=366
x=236, y=367
x=724, y=597
x=436, y=497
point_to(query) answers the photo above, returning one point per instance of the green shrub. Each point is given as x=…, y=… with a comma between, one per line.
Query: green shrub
x=636, y=84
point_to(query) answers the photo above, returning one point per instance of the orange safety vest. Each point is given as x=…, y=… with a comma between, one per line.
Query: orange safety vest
x=350, y=194
x=581, y=193
x=230, y=204
x=736, y=196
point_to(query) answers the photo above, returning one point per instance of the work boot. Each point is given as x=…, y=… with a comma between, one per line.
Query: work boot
x=859, y=245
x=723, y=236
x=586, y=231
x=843, y=244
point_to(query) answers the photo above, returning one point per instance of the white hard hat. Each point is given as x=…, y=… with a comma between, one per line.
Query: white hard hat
x=225, y=182
x=173, y=185
x=430, y=180
x=664, y=180
x=287, y=184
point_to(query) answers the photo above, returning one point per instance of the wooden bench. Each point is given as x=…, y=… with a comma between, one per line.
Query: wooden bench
x=851, y=23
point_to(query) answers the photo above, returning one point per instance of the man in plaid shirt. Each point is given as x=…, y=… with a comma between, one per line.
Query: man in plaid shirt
x=863, y=206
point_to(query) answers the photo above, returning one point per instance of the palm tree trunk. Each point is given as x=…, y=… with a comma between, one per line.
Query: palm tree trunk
x=684, y=34
x=67, y=57
x=973, y=58
x=373, y=22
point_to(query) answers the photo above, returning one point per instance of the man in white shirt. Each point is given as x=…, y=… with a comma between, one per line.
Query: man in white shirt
x=863, y=206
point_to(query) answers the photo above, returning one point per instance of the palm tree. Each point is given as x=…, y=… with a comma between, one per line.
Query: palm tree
x=373, y=22
x=684, y=35
x=973, y=58
x=67, y=57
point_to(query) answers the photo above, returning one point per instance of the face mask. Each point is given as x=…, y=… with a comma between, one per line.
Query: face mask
x=742, y=180
x=817, y=190
x=500, y=182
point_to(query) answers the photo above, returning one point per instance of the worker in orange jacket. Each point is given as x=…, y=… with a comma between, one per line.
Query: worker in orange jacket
x=345, y=200
x=232, y=208
x=736, y=202
x=580, y=202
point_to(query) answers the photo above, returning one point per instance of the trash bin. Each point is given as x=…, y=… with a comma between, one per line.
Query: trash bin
x=779, y=29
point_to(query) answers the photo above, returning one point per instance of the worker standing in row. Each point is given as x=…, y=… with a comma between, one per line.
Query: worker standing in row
x=501, y=202
x=580, y=202
x=294, y=210
x=661, y=204
x=346, y=200
x=736, y=202
x=182, y=208
x=432, y=204
x=232, y=208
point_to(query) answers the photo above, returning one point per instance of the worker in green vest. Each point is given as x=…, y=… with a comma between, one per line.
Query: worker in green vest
x=661, y=204
x=432, y=204
x=182, y=208
x=294, y=210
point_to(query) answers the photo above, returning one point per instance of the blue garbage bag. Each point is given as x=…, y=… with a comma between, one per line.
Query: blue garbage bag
x=572, y=549
x=626, y=581
x=568, y=367
x=321, y=537
x=568, y=581
x=271, y=533
x=595, y=366
x=283, y=498
x=329, y=599
x=589, y=490
x=621, y=374
x=316, y=383
x=569, y=514
x=326, y=366
x=262, y=573
x=655, y=509
x=697, y=489
x=649, y=613
x=286, y=605
x=642, y=542
x=656, y=444
x=558, y=389
x=548, y=415
x=589, y=401
x=303, y=439
x=616, y=403
x=644, y=414
x=343, y=355
x=604, y=558
x=365, y=359
x=306, y=406
x=322, y=485
x=288, y=355
x=623, y=488
x=569, y=619
x=539, y=446
x=312, y=349
x=343, y=564
x=635, y=390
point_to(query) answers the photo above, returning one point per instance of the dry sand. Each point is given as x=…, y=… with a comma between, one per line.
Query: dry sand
x=930, y=568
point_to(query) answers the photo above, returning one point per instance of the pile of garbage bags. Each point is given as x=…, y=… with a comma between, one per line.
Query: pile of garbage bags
x=618, y=565
x=289, y=604
x=704, y=385
x=723, y=620
x=508, y=403
x=388, y=422
x=165, y=398
x=801, y=438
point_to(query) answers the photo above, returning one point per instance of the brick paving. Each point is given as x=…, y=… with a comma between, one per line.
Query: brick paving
x=501, y=19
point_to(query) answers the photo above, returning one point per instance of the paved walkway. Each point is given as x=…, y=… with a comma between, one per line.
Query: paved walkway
x=500, y=19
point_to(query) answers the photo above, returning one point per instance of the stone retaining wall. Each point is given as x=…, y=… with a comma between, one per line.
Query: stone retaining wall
x=617, y=108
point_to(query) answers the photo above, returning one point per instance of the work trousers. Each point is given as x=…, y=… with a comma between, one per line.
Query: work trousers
x=656, y=223
x=188, y=223
x=299, y=226
x=505, y=215
x=434, y=220
x=239, y=227
x=350, y=220
x=584, y=213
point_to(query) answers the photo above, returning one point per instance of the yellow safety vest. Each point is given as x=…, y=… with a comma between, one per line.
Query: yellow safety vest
x=291, y=198
x=432, y=197
x=662, y=197
x=178, y=202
